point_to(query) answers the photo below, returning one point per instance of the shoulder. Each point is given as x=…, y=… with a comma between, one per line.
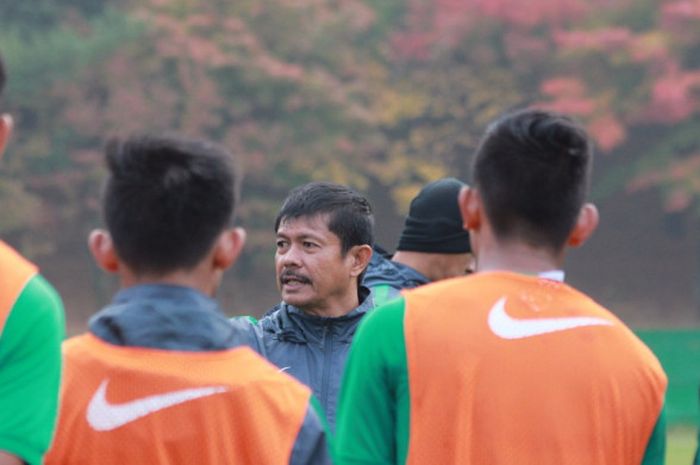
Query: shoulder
x=382, y=271
x=379, y=271
x=385, y=319
x=247, y=332
x=273, y=318
x=38, y=307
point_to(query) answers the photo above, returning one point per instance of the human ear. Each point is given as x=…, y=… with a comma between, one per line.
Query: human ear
x=470, y=208
x=102, y=250
x=360, y=256
x=228, y=247
x=6, y=126
x=586, y=223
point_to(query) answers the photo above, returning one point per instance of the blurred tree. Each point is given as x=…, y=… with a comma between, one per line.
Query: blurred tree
x=381, y=94
x=281, y=83
x=628, y=69
x=40, y=182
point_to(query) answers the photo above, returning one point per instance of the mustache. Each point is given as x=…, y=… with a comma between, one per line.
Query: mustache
x=289, y=275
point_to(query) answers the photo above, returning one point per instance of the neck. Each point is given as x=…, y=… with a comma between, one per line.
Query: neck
x=195, y=279
x=335, y=308
x=416, y=260
x=518, y=258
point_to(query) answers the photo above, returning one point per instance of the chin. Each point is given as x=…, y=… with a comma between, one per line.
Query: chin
x=295, y=300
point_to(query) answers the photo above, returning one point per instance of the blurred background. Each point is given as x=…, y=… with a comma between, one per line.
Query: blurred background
x=383, y=95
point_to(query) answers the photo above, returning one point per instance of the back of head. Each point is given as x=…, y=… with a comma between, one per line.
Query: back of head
x=532, y=170
x=349, y=214
x=434, y=223
x=166, y=200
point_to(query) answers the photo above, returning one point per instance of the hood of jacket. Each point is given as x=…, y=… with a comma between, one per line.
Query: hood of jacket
x=168, y=317
x=291, y=324
x=383, y=271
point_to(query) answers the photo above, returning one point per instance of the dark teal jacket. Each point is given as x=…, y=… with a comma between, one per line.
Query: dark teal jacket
x=386, y=278
x=312, y=349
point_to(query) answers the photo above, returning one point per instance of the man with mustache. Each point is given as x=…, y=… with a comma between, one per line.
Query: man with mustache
x=324, y=238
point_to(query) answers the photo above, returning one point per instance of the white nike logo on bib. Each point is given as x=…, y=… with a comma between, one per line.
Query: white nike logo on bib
x=507, y=327
x=103, y=416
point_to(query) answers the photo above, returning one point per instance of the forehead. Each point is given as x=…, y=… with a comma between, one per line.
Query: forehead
x=307, y=226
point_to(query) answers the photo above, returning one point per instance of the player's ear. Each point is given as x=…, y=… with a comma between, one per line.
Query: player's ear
x=228, y=247
x=6, y=126
x=586, y=223
x=102, y=250
x=360, y=256
x=470, y=207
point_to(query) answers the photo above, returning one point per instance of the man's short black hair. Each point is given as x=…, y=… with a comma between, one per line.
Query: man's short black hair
x=349, y=214
x=166, y=200
x=532, y=169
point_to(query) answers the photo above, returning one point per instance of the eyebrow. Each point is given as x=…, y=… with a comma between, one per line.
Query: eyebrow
x=301, y=237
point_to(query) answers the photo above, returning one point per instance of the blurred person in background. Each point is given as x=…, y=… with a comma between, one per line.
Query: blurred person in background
x=433, y=244
x=162, y=376
x=31, y=330
x=508, y=365
x=324, y=243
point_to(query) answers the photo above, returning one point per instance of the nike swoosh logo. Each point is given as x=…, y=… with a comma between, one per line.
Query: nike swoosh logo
x=104, y=416
x=507, y=327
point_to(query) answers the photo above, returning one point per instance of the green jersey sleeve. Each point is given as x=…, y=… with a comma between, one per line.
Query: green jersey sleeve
x=373, y=416
x=656, y=447
x=30, y=371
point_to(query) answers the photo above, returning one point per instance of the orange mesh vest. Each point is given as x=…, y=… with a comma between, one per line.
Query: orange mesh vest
x=127, y=405
x=15, y=272
x=512, y=369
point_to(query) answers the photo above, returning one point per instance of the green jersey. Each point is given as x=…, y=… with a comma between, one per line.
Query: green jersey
x=30, y=369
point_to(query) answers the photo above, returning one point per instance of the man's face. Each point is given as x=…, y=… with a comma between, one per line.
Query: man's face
x=311, y=272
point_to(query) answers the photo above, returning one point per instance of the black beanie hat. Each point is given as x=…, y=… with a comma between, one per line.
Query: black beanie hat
x=434, y=222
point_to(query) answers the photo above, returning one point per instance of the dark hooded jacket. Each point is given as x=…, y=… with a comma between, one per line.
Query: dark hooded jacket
x=313, y=349
x=385, y=278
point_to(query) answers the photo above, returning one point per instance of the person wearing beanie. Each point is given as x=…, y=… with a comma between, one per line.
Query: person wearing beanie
x=433, y=244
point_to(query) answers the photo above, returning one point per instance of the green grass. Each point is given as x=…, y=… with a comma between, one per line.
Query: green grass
x=680, y=445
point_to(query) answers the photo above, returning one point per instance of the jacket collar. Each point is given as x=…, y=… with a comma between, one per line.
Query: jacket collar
x=292, y=324
x=383, y=270
x=165, y=317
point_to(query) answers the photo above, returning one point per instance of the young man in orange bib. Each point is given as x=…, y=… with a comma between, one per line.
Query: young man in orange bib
x=163, y=377
x=509, y=365
x=31, y=330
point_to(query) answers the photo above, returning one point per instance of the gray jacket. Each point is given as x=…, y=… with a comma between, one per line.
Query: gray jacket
x=386, y=278
x=313, y=349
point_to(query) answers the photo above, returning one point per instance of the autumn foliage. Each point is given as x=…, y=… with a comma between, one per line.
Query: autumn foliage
x=374, y=93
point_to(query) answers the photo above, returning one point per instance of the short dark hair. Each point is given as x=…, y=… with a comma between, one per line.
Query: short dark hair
x=349, y=214
x=532, y=169
x=166, y=200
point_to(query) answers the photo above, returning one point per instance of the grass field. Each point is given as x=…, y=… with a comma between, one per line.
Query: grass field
x=680, y=446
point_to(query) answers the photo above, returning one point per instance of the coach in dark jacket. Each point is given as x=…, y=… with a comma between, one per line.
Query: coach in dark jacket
x=324, y=237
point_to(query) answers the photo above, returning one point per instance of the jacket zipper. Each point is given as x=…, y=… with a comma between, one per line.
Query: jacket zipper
x=327, y=355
